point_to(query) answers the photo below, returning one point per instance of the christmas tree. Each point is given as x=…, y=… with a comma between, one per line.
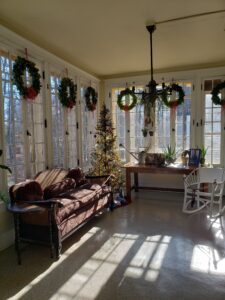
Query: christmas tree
x=105, y=159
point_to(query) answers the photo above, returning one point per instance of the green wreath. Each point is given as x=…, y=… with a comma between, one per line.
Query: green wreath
x=124, y=93
x=67, y=92
x=91, y=97
x=19, y=68
x=215, y=94
x=173, y=104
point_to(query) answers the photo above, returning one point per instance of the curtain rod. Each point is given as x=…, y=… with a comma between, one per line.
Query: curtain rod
x=191, y=16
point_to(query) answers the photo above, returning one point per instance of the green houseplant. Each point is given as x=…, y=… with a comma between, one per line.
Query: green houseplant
x=203, y=155
x=170, y=154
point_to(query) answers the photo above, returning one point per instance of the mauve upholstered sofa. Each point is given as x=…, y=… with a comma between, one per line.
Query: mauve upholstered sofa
x=68, y=200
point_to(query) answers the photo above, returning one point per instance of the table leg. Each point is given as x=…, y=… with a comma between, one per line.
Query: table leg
x=51, y=232
x=136, y=182
x=17, y=237
x=128, y=185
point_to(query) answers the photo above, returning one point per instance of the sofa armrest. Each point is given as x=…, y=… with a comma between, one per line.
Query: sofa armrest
x=28, y=190
x=46, y=203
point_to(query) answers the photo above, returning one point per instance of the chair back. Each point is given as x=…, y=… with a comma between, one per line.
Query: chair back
x=211, y=174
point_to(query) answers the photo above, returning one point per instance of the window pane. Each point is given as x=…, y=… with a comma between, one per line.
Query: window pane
x=89, y=121
x=57, y=124
x=13, y=126
x=212, y=128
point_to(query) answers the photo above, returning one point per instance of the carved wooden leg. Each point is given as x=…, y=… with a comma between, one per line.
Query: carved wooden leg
x=128, y=186
x=51, y=233
x=17, y=237
x=111, y=202
x=136, y=182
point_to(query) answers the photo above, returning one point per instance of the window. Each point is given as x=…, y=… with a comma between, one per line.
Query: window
x=57, y=124
x=13, y=125
x=88, y=124
x=23, y=127
x=172, y=127
x=128, y=126
x=212, y=125
x=72, y=138
x=35, y=134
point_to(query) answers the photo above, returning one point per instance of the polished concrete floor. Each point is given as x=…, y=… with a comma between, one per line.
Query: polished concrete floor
x=147, y=250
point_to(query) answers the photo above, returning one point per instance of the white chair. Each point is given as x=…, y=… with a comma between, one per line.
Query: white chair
x=204, y=187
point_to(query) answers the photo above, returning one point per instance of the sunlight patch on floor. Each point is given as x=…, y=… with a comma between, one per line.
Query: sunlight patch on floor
x=87, y=282
x=149, y=258
x=55, y=264
x=208, y=260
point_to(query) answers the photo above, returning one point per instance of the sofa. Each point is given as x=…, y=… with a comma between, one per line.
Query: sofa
x=68, y=200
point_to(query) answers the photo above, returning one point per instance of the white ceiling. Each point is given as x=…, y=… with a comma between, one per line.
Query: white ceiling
x=108, y=37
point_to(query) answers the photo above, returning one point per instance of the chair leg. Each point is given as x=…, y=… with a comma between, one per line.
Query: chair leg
x=211, y=204
x=185, y=200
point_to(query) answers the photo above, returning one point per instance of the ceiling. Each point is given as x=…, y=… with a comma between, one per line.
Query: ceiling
x=108, y=37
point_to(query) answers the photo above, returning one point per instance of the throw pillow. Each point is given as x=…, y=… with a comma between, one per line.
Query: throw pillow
x=78, y=175
x=59, y=188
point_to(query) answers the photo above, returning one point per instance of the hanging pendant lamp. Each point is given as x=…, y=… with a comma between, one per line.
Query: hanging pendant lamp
x=149, y=96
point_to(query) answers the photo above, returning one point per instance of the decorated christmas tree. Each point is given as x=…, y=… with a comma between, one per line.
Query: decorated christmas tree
x=105, y=159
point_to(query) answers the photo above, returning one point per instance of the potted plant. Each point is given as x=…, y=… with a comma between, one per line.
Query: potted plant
x=203, y=155
x=170, y=154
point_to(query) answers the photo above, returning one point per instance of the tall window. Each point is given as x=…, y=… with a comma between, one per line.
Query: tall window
x=35, y=132
x=128, y=126
x=57, y=124
x=88, y=124
x=172, y=127
x=162, y=127
x=72, y=138
x=13, y=124
x=23, y=126
x=212, y=124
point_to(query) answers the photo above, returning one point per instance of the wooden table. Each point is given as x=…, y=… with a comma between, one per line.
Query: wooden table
x=136, y=169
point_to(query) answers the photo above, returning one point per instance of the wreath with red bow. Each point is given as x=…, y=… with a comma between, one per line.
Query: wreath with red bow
x=91, y=97
x=173, y=104
x=20, y=66
x=67, y=92
x=215, y=94
x=122, y=96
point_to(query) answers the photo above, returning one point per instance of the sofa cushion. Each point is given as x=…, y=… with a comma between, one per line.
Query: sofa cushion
x=28, y=190
x=79, y=198
x=78, y=175
x=59, y=188
x=49, y=177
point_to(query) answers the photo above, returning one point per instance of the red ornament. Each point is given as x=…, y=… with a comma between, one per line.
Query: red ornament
x=31, y=93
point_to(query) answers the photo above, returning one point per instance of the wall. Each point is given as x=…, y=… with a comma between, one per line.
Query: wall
x=9, y=41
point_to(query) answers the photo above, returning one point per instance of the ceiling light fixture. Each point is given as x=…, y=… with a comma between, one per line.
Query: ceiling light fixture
x=167, y=94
